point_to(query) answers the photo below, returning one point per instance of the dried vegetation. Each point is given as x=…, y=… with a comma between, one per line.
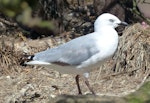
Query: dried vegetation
x=125, y=73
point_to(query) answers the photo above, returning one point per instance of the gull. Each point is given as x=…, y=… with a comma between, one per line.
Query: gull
x=81, y=55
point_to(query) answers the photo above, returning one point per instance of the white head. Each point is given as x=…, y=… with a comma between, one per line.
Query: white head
x=107, y=19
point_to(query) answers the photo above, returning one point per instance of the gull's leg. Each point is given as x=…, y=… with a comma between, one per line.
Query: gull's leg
x=78, y=85
x=85, y=77
x=88, y=85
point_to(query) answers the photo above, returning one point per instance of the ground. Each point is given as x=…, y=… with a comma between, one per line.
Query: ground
x=39, y=85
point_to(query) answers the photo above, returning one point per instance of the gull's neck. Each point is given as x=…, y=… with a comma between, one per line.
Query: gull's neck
x=99, y=28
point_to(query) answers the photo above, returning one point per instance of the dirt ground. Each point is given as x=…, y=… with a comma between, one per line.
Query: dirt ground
x=34, y=84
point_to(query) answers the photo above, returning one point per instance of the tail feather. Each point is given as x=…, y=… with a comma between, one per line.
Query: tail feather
x=28, y=60
x=25, y=59
x=37, y=63
x=30, y=57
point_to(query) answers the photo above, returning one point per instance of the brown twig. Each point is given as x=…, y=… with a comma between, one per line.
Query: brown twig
x=8, y=22
x=119, y=73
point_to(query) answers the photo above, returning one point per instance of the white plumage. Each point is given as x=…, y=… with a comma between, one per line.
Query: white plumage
x=84, y=53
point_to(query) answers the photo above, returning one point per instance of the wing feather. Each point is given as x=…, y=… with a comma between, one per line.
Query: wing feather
x=72, y=53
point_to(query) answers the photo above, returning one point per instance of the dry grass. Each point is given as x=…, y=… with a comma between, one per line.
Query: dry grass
x=125, y=73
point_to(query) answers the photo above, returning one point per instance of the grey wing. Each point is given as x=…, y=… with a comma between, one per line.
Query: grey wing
x=77, y=56
x=72, y=53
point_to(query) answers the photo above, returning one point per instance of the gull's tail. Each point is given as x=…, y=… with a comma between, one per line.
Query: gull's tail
x=35, y=62
x=25, y=59
x=28, y=60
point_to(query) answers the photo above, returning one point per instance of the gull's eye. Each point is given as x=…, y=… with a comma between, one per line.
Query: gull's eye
x=111, y=20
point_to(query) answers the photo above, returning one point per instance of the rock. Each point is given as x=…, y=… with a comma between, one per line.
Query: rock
x=72, y=14
x=140, y=96
x=111, y=6
x=86, y=99
x=2, y=27
x=144, y=7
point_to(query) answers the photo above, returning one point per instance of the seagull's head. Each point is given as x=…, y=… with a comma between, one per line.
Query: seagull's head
x=108, y=19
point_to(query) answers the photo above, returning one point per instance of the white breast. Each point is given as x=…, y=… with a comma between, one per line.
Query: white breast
x=107, y=43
